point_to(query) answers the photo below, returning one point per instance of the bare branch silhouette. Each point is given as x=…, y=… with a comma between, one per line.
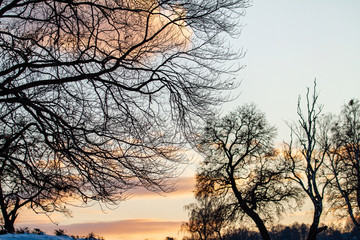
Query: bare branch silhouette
x=102, y=94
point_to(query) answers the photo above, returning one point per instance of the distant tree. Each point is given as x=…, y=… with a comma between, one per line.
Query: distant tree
x=333, y=233
x=306, y=156
x=290, y=233
x=240, y=161
x=242, y=233
x=100, y=95
x=210, y=215
x=295, y=231
x=344, y=153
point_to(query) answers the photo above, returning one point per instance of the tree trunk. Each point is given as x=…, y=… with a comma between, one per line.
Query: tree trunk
x=8, y=218
x=313, y=231
x=260, y=225
x=219, y=235
x=9, y=225
x=314, y=228
x=250, y=212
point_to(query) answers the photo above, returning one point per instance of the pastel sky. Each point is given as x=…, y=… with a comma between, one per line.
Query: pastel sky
x=288, y=44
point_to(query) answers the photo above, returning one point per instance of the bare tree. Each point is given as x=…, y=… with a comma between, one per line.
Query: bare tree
x=306, y=154
x=207, y=218
x=29, y=178
x=102, y=94
x=241, y=161
x=344, y=153
x=210, y=215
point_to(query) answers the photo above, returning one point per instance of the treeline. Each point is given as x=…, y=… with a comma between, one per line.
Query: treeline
x=244, y=176
x=294, y=232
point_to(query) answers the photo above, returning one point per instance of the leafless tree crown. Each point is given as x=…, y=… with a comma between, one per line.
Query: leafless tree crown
x=103, y=93
x=240, y=160
x=344, y=155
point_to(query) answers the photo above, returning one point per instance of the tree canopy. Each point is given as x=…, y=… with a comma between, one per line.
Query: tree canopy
x=101, y=94
x=241, y=161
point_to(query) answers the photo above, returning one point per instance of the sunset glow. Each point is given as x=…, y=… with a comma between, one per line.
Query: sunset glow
x=288, y=44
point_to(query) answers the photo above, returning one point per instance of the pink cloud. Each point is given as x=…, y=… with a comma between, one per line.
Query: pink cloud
x=124, y=229
x=124, y=226
x=130, y=229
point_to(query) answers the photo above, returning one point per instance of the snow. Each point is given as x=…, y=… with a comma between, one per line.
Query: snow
x=32, y=236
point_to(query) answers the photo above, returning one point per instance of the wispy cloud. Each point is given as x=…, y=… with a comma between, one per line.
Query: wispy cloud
x=183, y=186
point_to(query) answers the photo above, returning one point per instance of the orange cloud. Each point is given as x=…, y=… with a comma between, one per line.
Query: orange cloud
x=183, y=186
x=142, y=29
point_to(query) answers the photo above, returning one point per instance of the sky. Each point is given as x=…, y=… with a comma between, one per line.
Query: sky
x=288, y=44
x=33, y=236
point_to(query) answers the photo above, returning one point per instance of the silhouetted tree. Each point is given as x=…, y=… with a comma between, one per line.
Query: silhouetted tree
x=306, y=155
x=210, y=215
x=242, y=233
x=100, y=95
x=32, y=184
x=344, y=153
x=295, y=231
x=240, y=161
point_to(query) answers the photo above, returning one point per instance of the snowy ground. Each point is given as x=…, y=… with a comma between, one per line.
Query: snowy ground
x=32, y=236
